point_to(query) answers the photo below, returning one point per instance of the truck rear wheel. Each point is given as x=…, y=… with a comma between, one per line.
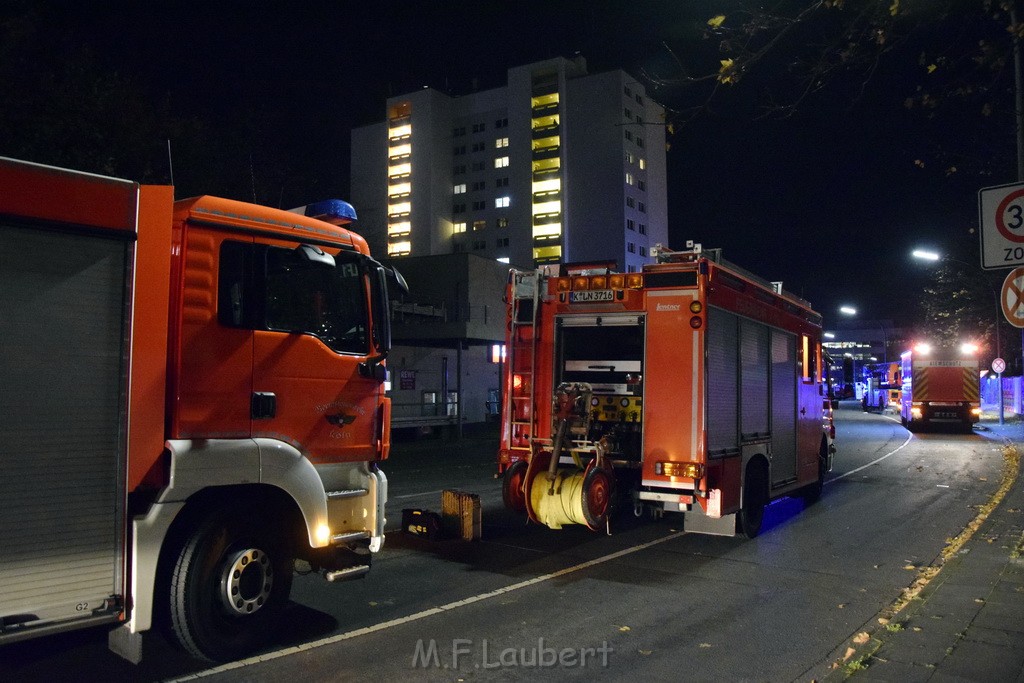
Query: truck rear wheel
x=755, y=497
x=230, y=581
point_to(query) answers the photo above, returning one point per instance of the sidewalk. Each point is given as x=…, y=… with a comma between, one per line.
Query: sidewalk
x=966, y=623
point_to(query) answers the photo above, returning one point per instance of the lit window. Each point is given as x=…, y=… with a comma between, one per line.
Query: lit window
x=630, y=179
x=402, y=207
x=643, y=163
x=501, y=202
x=459, y=227
x=479, y=225
x=399, y=228
x=547, y=230
x=550, y=185
x=399, y=188
x=400, y=131
x=501, y=142
x=503, y=259
x=399, y=248
x=547, y=207
x=400, y=150
x=501, y=162
x=502, y=222
x=460, y=189
x=399, y=169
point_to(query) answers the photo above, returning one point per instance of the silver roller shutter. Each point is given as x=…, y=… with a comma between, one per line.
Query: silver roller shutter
x=61, y=416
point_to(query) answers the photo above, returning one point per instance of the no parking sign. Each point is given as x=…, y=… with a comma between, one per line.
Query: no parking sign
x=1011, y=299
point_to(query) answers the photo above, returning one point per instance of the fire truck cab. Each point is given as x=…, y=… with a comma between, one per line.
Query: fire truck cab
x=693, y=386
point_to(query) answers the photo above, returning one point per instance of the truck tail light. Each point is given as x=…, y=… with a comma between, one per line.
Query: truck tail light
x=691, y=470
x=975, y=411
x=696, y=322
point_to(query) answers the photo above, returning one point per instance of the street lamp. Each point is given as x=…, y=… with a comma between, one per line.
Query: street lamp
x=851, y=311
x=926, y=255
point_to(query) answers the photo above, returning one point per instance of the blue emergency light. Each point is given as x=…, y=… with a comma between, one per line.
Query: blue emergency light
x=334, y=211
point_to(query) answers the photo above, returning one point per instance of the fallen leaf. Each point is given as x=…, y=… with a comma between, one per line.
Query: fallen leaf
x=917, y=629
x=716, y=21
x=910, y=567
x=373, y=603
x=979, y=600
x=704, y=646
x=623, y=629
x=849, y=653
x=861, y=638
x=883, y=621
x=645, y=652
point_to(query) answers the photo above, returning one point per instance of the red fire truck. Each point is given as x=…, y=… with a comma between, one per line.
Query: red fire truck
x=692, y=386
x=192, y=400
x=940, y=388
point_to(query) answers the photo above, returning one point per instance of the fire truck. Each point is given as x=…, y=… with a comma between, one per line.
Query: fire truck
x=882, y=386
x=940, y=388
x=193, y=406
x=692, y=386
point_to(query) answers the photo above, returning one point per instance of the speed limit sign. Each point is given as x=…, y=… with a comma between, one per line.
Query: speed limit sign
x=998, y=366
x=1001, y=217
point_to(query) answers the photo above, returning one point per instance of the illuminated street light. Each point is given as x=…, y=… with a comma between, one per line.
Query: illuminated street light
x=848, y=310
x=925, y=255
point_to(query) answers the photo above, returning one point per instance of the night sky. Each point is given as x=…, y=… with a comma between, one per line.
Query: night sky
x=830, y=200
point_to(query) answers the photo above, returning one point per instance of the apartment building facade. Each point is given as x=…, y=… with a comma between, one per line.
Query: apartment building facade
x=559, y=165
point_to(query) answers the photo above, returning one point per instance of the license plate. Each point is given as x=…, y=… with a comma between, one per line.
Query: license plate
x=945, y=414
x=588, y=296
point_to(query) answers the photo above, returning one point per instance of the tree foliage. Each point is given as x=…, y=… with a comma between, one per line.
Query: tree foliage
x=961, y=304
x=948, y=62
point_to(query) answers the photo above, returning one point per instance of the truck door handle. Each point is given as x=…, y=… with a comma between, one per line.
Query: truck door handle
x=264, y=405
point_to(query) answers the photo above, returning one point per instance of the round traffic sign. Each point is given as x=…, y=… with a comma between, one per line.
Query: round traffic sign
x=1011, y=205
x=998, y=365
x=1011, y=299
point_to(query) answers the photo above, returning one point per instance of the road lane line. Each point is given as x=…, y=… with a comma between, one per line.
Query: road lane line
x=425, y=613
x=416, y=495
x=874, y=462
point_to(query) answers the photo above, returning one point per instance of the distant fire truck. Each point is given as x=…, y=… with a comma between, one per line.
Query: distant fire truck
x=940, y=388
x=882, y=386
x=692, y=386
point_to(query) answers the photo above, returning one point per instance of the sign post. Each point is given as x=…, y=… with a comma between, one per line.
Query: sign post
x=998, y=366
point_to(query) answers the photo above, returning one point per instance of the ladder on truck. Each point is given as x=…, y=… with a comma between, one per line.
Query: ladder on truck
x=519, y=414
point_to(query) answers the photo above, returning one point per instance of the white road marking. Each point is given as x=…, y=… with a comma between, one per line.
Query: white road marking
x=873, y=462
x=231, y=666
x=416, y=495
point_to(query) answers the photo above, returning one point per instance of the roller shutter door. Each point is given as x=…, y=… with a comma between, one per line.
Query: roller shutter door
x=722, y=382
x=61, y=418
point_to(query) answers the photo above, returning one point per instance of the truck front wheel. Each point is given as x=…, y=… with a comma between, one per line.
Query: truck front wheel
x=230, y=581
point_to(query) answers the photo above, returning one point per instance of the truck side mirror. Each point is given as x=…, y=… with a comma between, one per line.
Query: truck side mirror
x=314, y=255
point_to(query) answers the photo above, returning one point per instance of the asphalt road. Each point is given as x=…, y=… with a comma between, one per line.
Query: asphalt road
x=646, y=602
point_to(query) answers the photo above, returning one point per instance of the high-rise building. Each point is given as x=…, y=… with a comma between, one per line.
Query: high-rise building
x=556, y=166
